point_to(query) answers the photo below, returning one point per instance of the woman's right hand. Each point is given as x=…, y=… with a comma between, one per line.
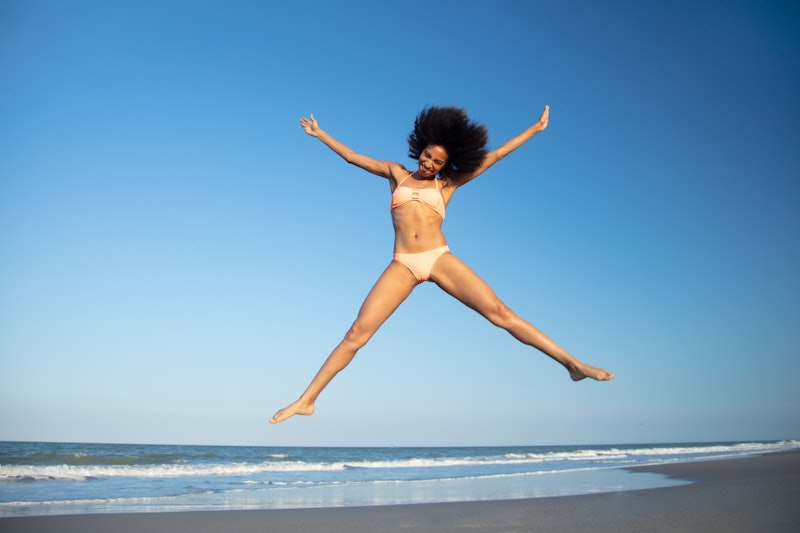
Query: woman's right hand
x=310, y=125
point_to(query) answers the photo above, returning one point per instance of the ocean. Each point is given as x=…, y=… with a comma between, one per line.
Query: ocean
x=39, y=478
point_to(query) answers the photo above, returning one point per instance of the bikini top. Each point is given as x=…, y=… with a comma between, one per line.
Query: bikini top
x=431, y=197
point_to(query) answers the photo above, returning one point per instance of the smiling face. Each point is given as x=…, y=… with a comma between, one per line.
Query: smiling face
x=431, y=161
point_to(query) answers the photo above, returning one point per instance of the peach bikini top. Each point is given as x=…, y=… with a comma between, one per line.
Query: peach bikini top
x=431, y=197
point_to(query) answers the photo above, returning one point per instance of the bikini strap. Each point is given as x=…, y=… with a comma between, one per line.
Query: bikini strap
x=404, y=179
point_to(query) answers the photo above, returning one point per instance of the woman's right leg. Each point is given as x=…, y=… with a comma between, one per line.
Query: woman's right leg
x=391, y=289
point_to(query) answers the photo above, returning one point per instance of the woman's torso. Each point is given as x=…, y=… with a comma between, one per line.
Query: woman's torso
x=418, y=208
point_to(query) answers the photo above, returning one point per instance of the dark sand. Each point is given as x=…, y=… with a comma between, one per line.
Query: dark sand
x=760, y=493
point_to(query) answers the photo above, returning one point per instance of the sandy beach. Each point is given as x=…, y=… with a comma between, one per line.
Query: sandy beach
x=759, y=493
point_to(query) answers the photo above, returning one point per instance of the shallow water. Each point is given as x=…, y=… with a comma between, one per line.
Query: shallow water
x=63, y=478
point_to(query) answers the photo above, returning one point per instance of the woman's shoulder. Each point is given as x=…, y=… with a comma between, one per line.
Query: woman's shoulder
x=450, y=182
x=397, y=171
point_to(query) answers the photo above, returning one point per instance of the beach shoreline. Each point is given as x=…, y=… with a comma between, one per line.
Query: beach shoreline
x=756, y=493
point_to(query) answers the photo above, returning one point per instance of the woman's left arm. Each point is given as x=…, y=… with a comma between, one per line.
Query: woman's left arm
x=510, y=145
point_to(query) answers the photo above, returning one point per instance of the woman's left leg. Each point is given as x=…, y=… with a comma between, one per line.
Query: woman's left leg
x=458, y=280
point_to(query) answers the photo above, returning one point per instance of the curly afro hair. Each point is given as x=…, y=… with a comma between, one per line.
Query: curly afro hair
x=464, y=140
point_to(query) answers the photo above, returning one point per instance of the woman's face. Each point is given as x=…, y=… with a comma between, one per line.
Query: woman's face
x=432, y=160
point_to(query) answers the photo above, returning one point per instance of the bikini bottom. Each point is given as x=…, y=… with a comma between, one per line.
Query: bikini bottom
x=421, y=263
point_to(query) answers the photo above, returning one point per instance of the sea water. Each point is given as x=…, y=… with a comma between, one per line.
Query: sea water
x=61, y=478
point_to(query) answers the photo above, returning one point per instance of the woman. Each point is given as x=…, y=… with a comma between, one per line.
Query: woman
x=445, y=142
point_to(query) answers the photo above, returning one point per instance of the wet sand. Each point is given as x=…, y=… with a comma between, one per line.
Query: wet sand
x=760, y=493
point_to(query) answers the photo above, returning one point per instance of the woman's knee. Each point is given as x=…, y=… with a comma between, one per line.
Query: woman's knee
x=500, y=314
x=357, y=336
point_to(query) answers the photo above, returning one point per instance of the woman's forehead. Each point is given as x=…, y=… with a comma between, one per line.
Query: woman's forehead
x=437, y=151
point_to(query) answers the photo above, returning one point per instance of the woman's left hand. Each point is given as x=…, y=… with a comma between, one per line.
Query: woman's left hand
x=544, y=118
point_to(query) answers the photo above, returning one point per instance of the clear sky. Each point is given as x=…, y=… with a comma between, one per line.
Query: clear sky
x=177, y=258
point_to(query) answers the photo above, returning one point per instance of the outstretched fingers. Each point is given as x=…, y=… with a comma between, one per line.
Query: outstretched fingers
x=310, y=126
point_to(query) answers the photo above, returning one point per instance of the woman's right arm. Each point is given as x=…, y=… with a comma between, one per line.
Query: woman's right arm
x=380, y=168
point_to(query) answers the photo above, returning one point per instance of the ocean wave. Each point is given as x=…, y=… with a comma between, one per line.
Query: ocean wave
x=740, y=448
x=84, y=459
x=93, y=501
x=175, y=465
x=71, y=472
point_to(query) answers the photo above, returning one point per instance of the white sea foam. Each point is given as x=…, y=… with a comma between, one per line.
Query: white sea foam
x=42, y=478
x=72, y=472
x=279, y=464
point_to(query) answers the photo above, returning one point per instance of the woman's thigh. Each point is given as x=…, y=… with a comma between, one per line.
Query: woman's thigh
x=391, y=289
x=461, y=282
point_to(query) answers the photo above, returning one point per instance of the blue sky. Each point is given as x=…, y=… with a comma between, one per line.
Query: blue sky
x=177, y=257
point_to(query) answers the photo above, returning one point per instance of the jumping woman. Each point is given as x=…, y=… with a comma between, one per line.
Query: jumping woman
x=450, y=150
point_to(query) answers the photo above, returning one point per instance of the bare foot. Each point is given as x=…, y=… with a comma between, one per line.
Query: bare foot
x=586, y=371
x=297, y=408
